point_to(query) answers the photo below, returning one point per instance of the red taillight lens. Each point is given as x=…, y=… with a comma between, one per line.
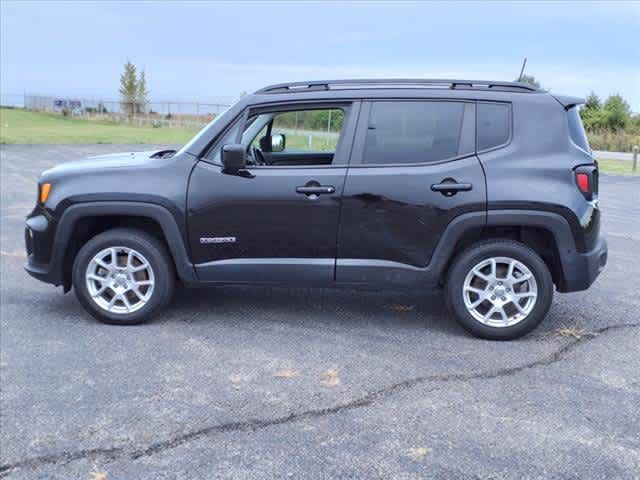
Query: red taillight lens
x=582, y=179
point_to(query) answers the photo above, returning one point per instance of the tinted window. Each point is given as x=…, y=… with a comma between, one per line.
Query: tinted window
x=413, y=132
x=494, y=124
x=576, y=130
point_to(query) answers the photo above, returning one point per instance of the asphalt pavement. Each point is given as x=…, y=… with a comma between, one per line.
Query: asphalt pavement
x=244, y=383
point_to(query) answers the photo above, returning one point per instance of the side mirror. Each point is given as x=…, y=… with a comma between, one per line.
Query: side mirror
x=233, y=157
x=278, y=142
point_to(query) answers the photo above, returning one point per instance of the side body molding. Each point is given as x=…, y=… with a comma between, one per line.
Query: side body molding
x=161, y=215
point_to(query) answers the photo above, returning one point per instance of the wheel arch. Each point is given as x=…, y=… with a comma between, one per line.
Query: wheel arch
x=82, y=221
x=547, y=233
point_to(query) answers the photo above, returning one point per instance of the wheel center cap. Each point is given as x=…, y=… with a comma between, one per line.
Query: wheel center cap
x=121, y=279
x=500, y=291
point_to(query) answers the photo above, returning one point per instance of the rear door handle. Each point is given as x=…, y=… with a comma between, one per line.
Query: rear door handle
x=449, y=187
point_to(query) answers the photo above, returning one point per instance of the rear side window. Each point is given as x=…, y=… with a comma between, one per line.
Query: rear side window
x=576, y=130
x=494, y=125
x=413, y=132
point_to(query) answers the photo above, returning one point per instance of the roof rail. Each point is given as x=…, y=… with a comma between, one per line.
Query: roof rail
x=395, y=83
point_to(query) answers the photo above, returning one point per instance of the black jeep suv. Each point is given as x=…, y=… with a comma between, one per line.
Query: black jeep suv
x=488, y=189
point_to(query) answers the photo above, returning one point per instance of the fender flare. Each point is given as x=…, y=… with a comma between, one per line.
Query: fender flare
x=554, y=222
x=161, y=215
x=551, y=221
x=459, y=226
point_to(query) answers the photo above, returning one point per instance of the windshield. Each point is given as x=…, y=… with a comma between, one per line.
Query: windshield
x=204, y=129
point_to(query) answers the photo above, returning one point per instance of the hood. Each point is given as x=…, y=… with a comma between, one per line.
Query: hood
x=130, y=160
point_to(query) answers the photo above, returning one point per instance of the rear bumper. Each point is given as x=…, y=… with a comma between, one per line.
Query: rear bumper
x=582, y=269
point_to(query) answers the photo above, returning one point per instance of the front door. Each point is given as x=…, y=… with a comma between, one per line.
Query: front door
x=277, y=221
x=413, y=170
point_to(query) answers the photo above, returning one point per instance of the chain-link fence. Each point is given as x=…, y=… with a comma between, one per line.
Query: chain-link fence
x=161, y=114
x=316, y=130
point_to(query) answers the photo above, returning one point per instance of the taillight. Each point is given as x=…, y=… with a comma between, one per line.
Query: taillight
x=582, y=179
x=587, y=180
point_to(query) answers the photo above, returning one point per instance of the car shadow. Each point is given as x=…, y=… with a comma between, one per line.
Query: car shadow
x=319, y=307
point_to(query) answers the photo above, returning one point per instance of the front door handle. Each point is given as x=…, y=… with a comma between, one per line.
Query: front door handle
x=313, y=189
x=317, y=190
x=449, y=187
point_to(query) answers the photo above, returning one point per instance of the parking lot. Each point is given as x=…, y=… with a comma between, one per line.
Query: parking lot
x=238, y=382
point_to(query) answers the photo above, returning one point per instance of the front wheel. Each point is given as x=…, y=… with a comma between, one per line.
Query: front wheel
x=499, y=289
x=123, y=276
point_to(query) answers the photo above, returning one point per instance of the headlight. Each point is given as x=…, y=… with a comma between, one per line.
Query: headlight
x=45, y=190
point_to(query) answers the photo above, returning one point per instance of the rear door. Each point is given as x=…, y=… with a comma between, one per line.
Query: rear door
x=413, y=170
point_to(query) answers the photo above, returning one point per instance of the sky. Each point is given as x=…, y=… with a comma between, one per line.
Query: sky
x=213, y=51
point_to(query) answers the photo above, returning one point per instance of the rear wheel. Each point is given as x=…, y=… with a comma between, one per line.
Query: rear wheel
x=123, y=276
x=499, y=289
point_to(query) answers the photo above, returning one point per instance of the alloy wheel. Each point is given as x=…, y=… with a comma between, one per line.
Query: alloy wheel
x=120, y=280
x=500, y=291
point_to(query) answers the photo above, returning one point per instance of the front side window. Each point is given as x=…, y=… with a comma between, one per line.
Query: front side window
x=494, y=125
x=286, y=138
x=305, y=130
x=413, y=132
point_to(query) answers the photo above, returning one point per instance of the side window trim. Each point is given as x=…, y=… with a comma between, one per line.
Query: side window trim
x=357, y=150
x=357, y=153
x=511, y=126
x=468, y=140
x=240, y=119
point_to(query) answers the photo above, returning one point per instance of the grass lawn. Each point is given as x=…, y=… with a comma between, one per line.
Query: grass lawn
x=21, y=126
x=319, y=143
x=616, y=167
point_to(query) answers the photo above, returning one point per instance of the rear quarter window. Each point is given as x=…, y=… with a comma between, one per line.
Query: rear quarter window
x=494, y=125
x=576, y=130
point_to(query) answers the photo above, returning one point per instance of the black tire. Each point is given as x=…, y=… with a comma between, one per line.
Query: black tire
x=154, y=252
x=469, y=258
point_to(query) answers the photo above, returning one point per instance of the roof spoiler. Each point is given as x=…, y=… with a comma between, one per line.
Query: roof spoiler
x=568, y=102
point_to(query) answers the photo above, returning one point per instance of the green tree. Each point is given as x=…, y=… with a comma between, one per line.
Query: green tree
x=593, y=117
x=530, y=80
x=618, y=112
x=142, y=93
x=593, y=102
x=128, y=89
x=635, y=123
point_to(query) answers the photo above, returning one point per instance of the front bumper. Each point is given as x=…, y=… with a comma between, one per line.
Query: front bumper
x=39, y=241
x=581, y=269
x=41, y=271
